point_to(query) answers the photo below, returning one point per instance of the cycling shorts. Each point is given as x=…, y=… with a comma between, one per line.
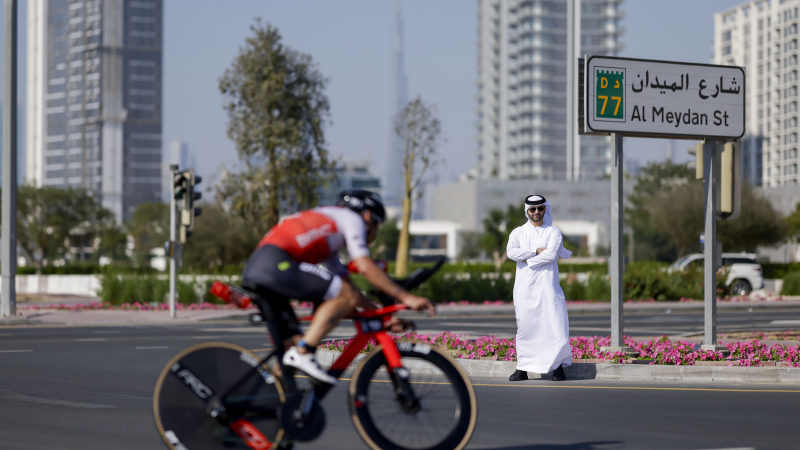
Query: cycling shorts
x=274, y=275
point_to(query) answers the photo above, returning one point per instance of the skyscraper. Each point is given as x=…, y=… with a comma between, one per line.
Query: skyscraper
x=527, y=53
x=762, y=36
x=94, y=98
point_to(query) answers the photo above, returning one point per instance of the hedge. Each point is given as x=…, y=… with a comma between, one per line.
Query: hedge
x=791, y=284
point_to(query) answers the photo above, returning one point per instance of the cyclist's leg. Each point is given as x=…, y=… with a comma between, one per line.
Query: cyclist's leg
x=273, y=269
x=330, y=313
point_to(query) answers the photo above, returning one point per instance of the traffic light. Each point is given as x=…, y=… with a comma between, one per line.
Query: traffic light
x=729, y=181
x=185, y=196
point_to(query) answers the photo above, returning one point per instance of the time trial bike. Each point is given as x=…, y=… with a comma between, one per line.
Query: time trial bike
x=403, y=395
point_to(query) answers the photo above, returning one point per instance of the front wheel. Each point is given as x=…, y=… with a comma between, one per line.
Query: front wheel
x=445, y=419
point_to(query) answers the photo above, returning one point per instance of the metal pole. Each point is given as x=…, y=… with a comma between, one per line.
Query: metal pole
x=173, y=238
x=615, y=266
x=8, y=259
x=710, y=175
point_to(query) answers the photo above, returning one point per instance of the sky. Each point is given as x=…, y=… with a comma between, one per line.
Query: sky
x=350, y=41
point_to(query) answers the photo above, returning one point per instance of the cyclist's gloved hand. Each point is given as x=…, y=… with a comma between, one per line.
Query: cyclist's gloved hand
x=417, y=303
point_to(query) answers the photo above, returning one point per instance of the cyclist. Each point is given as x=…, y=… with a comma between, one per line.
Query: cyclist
x=284, y=266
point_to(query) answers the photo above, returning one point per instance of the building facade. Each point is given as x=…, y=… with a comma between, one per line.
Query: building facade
x=94, y=98
x=527, y=70
x=762, y=36
x=351, y=175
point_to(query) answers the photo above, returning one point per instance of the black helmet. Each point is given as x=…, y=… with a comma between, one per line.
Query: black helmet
x=359, y=200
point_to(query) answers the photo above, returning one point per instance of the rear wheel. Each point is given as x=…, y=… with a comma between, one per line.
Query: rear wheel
x=445, y=418
x=188, y=390
x=741, y=287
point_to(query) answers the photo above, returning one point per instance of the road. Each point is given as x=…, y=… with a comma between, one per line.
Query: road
x=91, y=387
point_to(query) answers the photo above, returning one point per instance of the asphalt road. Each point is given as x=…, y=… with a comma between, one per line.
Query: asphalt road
x=666, y=322
x=91, y=388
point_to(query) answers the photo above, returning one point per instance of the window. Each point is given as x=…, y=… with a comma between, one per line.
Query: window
x=726, y=50
x=726, y=36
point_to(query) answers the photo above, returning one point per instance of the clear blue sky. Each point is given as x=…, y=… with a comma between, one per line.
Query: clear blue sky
x=351, y=42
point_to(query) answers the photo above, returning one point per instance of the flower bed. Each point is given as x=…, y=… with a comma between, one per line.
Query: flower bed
x=660, y=351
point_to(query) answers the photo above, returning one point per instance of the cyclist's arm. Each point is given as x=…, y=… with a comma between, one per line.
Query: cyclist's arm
x=376, y=277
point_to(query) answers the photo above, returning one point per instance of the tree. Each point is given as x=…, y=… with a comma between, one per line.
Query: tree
x=497, y=227
x=653, y=179
x=419, y=130
x=793, y=223
x=51, y=221
x=679, y=214
x=148, y=228
x=276, y=112
x=219, y=240
x=385, y=244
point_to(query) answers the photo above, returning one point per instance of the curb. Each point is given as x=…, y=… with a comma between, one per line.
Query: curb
x=628, y=372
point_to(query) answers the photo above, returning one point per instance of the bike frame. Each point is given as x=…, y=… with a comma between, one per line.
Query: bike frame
x=369, y=325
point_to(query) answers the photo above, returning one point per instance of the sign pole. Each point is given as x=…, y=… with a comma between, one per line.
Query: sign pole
x=711, y=178
x=615, y=267
x=8, y=259
x=173, y=243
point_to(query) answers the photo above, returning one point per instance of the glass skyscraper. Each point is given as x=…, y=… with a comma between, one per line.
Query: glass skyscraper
x=527, y=68
x=94, y=98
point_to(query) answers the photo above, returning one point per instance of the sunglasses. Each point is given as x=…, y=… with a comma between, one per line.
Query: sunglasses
x=536, y=208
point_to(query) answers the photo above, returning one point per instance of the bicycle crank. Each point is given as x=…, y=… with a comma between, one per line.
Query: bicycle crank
x=302, y=419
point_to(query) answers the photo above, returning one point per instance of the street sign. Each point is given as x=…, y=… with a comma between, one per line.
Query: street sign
x=645, y=98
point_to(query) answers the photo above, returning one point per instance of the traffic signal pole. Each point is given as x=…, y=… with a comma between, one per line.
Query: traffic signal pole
x=173, y=242
x=8, y=259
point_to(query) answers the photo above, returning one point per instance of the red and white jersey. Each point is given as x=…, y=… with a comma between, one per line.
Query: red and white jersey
x=316, y=235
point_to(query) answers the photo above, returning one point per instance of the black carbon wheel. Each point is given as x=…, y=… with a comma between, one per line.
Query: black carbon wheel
x=448, y=410
x=195, y=378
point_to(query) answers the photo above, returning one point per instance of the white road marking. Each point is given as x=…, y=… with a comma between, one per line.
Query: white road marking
x=15, y=351
x=91, y=340
x=204, y=337
x=785, y=322
x=47, y=401
x=151, y=348
x=106, y=332
x=231, y=330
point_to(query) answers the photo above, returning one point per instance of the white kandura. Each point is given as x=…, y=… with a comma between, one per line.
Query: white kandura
x=539, y=303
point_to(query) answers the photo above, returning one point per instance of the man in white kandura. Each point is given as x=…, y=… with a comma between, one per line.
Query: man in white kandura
x=542, y=323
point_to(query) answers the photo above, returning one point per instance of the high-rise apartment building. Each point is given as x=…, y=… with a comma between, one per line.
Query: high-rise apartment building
x=762, y=37
x=527, y=68
x=94, y=98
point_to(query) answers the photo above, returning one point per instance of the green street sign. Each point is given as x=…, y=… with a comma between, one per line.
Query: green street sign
x=610, y=92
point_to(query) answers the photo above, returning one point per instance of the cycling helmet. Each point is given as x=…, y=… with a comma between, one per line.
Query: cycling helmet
x=360, y=200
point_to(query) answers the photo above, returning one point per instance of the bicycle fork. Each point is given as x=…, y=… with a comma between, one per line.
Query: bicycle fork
x=399, y=375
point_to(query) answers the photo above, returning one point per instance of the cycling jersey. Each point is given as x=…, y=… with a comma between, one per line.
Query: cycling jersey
x=285, y=261
x=316, y=235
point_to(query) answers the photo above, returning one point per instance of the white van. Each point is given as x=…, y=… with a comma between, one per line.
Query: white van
x=744, y=272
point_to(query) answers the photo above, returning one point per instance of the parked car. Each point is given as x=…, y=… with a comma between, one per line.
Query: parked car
x=744, y=272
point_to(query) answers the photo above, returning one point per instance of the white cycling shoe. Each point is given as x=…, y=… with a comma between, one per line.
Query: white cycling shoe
x=308, y=364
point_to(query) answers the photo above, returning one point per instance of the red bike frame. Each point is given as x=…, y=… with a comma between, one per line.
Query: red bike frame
x=369, y=325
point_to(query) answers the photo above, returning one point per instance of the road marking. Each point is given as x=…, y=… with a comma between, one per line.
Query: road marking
x=151, y=348
x=91, y=340
x=106, y=332
x=46, y=401
x=230, y=330
x=15, y=351
x=204, y=337
x=785, y=322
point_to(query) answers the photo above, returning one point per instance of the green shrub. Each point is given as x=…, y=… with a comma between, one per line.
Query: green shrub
x=573, y=290
x=791, y=284
x=117, y=288
x=776, y=271
x=472, y=285
x=598, y=288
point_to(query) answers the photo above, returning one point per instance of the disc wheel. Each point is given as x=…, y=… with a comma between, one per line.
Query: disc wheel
x=189, y=387
x=447, y=412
